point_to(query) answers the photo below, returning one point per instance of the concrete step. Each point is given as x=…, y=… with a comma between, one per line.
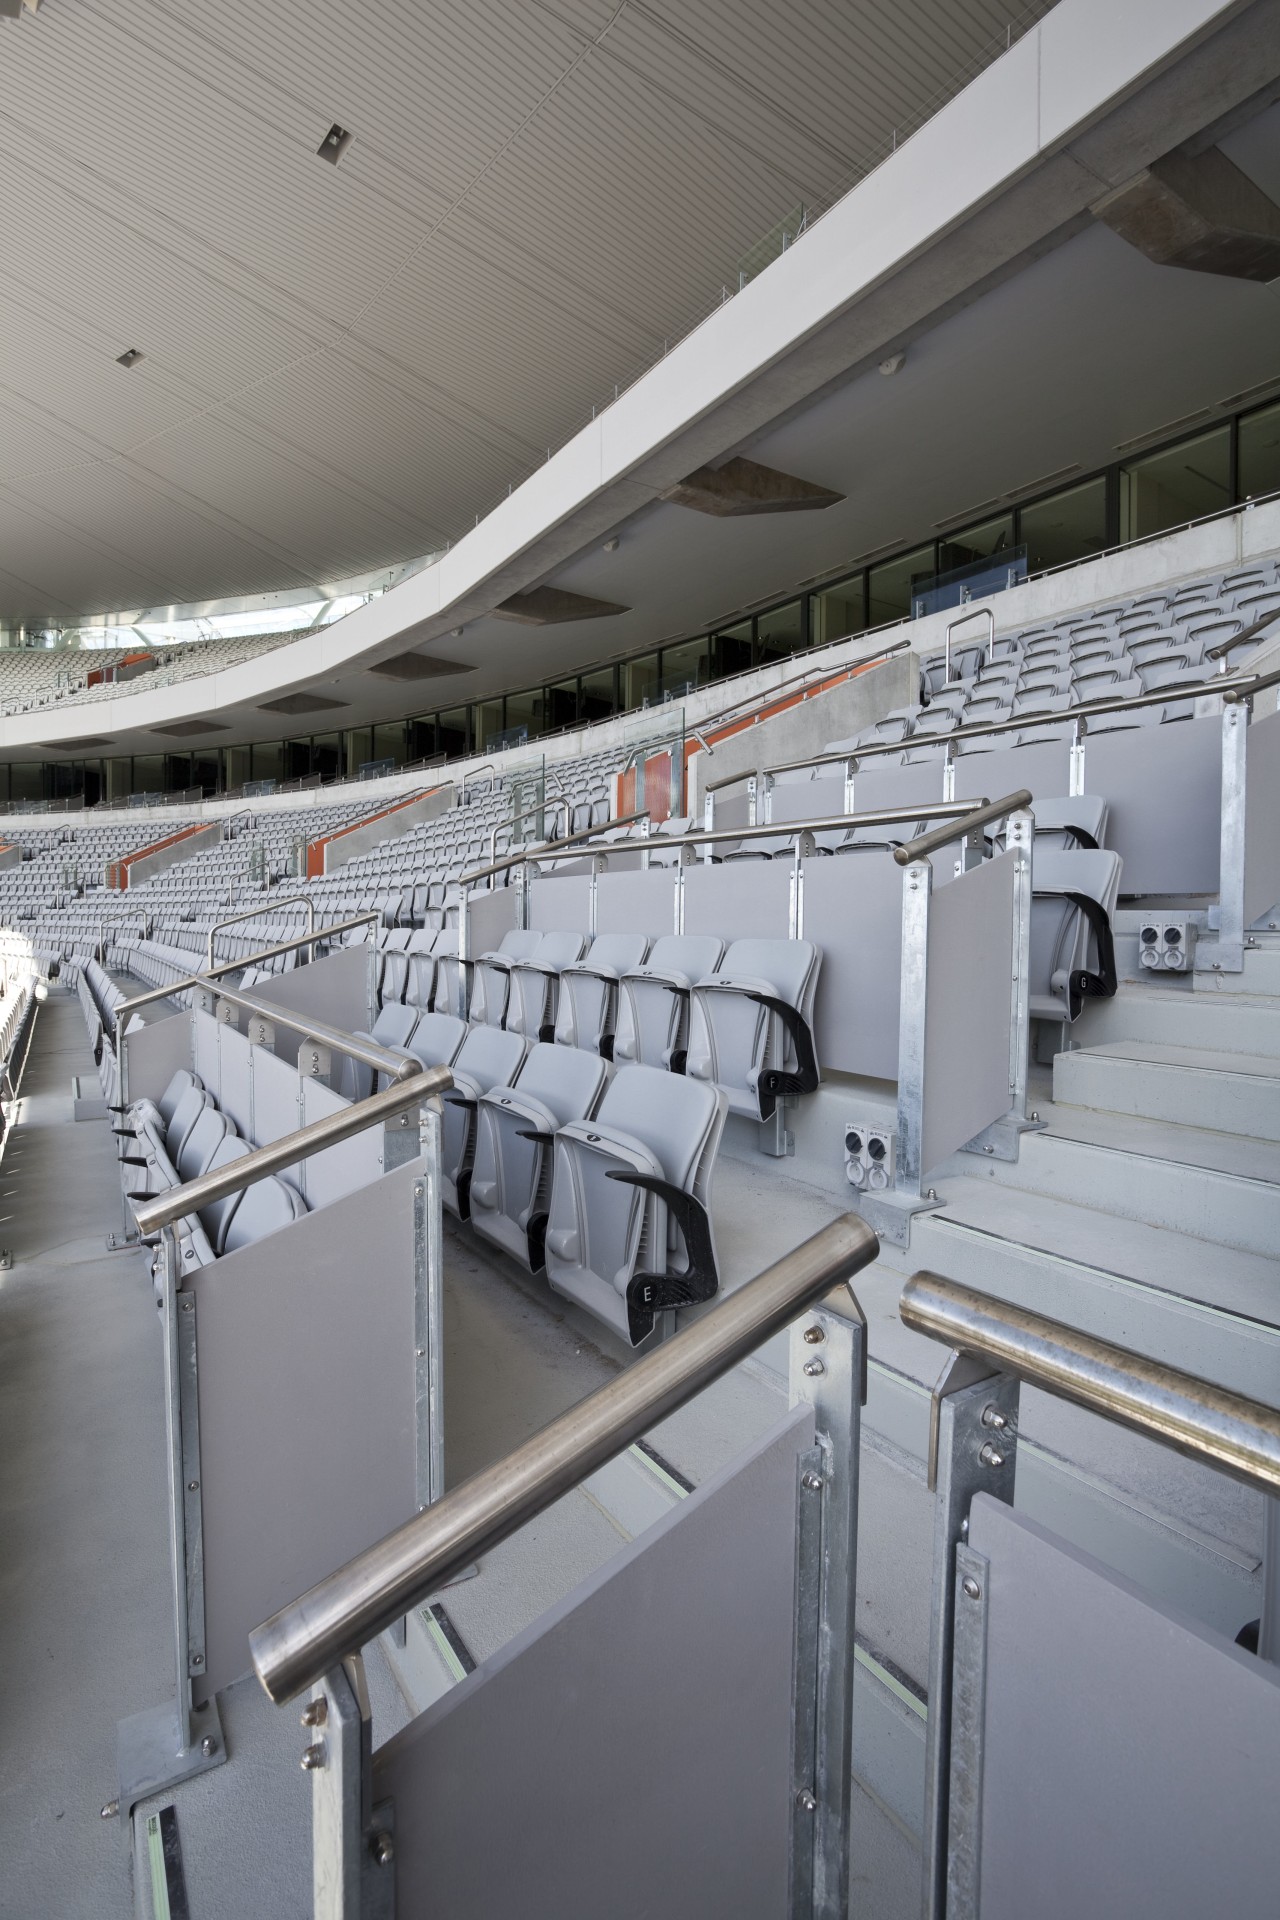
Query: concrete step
x=1261, y=973
x=1219, y=1190
x=1233, y=1093
x=1171, y=1013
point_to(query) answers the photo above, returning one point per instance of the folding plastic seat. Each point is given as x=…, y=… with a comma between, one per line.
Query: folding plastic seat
x=491, y=976
x=510, y=1188
x=162, y=1110
x=653, y=1000
x=487, y=1058
x=393, y=1028
x=437, y=1038
x=1257, y=605
x=661, y=855
x=629, y=1231
x=535, y=985
x=1170, y=670
x=264, y=1208
x=216, y=1217
x=1067, y=824
x=197, y=1151
x=751, y=1024
x=1072, y=953
x=587, y=1013
x=1249, y=580
x=989, y=707
x=1112, y=682
x=170, y=1140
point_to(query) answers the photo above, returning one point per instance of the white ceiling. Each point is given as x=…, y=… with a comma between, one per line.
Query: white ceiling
x=344, y=366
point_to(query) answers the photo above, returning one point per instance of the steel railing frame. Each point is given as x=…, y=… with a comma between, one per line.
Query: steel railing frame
x=257, y=913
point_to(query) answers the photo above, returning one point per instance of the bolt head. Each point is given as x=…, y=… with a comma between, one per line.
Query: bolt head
x=970, y=1588
x=315, y=1713
x=188, y=1306
x=991, y=1456
x=813, y=1368
x=208, y=1746
x=314, y=1757
x=814, y=1336
x=992, y=1417
x=811, y=1482
x=197, y=1659
x=110, y=1811
x=806, y=1802
x=1034, y=1114
x=383, y=1850
x=932, y=1194
x=193, y=1486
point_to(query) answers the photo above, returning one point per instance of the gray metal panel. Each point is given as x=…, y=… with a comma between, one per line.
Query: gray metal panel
x=206, y=1051
x=853, y=912
x=881, y=786
x=636, y=902
x=154, y=1053
x=235, y=1077
x=335, y=990
x=967, y=1008
x=1130, y=1755
x=275, y=1099
x=489, y=916
x=630, y=1753
x=800, y=800
x=557, y=902
x=343, y=1169
x=307, y=1396
x=1262, y=818
x=1163, y=786
x=1043, y=769
x=744, y=899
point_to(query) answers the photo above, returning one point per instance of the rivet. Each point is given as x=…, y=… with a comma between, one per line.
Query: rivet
x=814, y=1336
x=208, y=1746
x=811, y=1482
x=991, y=1456
x=806, y=1802
x=188, y=1305
x=813, y=1368
x=970, y=1588
x=193, y=1486
x=313, y=1758
x=197, y=1659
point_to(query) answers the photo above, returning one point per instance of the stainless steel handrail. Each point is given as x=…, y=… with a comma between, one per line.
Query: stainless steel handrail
x=369, y=916
x=509, y=826
x=296, y=1646
x=974, y=613
x=546, y=847
x=1206, y=1422
x=1233, y=696
x=256, y=913
x=1245, y=637
x=983, y=812
x=177, y=1202
x=1041, y=717
x=369, y=1053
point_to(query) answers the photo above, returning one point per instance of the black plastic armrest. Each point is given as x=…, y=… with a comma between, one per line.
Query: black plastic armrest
x=779, y=1080
x=652, y=1293
x=133, y=1160
x=535, y=1134
x=456, y=1099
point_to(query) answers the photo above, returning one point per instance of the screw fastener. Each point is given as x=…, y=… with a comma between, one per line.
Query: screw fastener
x=208, y=1746
x=970, y=1588
x=814, y=1336
x=315, y=1713
x=383, y=1850
x=806, y=1802
x=991, y=1456
x=811, y=1482
x=992, y=1417
x=193, y=1486
x=110, y=1811
x=813, y=1368
x=197, y=1659
x=314, y=1757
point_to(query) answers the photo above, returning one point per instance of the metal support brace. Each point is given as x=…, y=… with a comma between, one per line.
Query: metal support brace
x=890, y=1213
x=1000, y=1141
x=949, y=772
x=753, y=817
x=677, y=905
x=428, y=1307
x=828, y=1371
x=850, y=769
x=1075, y=779
x=353, y=1843
x=522, y=896
x=973, y=1431
x=1269, y=1625
x=1227, y=954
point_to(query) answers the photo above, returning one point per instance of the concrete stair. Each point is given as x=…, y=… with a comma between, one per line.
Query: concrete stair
x=1222, y=1092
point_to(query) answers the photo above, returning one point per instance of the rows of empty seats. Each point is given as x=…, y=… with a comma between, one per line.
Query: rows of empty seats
x=32, y=678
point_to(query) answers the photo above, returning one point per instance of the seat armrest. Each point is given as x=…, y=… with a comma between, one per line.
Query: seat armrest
x=678, y=982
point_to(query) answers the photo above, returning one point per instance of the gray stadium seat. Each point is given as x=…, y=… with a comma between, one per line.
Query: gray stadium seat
x=751, y=1024
x=653, y=1000
x=1072, y=958
x=629, y=1229
x=535, y=984
x=587, y=1014
x=487, y=1058
x=515, y=1125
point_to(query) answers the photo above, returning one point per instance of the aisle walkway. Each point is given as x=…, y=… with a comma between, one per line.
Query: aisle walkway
x=84, y=1631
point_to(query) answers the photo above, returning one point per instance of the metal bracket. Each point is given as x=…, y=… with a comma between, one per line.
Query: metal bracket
x=353, y=1842
x=225, y=1014
x=428, y=1317
x=1000, y=1141
x=262, y=1032
x=890, y=1214
x=775, y=1137
x=315, y=1062
x=968, y=1710
x=401, y=1142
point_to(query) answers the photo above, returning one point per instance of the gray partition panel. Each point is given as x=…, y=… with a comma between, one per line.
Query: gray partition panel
x=816, y=799
x=307, y=1387
x=853, y=912
x=557, y=902
x=731, y=807
x=489, y=916
x=235, y=1076
x=740, y=900
x=636, y=902
x=880, y=786
x=1163, y=787
x=1044, y=769
x=629, y=1754
x=343, y=1169
x=275, y=1100
x=206, y=1052
x=335, y=990
x=967, y=1008
x=1129, y=1755
x=1262, y=818
x=154, y=1053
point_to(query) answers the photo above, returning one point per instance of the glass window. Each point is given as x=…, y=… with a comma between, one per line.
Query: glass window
x=526, y=710
x=265, y=763
x=684, y=667
x=388, y=742
x=422, y=740
x=119, y=775
x=177, y=772
x=640, y=680
x=780, y=633
x=1067, y=526
x=838, y=611
x=359, y=748
x=148, y=773
x=26, y=781
x=297, y=759
x=599, y=696
x=562, y=705
x=1183, y=483
x=889, y=586
x=731, y=651
x=455, y=734
x=1260, y=453
x=326, y=755
x=975, y=543
x=487, y=716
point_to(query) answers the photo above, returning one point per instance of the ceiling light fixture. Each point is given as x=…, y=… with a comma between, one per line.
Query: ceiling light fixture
x=334, y=144
x=130, y=357
x=892, y=365
x=612, y=544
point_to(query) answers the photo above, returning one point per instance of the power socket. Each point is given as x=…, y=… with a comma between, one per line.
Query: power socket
x=1167, y=946
x=869, y=1157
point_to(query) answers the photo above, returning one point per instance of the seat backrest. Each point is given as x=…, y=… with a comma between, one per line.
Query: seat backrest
x=436, y=1039
x=395, y=1024
x=788, y=965
x=666, y=1112
x=691, y=954
x=616, y=952
x=181, y=1081
x=216, y=1215
x=519, y=944
x=567, y=1080
x=186, y=1112
x=264, y=1208
x=560, y=949
x=1085, y=811
x=202, y=1142
x=490, y=1056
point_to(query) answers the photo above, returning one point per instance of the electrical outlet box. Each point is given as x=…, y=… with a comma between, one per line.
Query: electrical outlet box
x=1167, y=946
x=868, y=1157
